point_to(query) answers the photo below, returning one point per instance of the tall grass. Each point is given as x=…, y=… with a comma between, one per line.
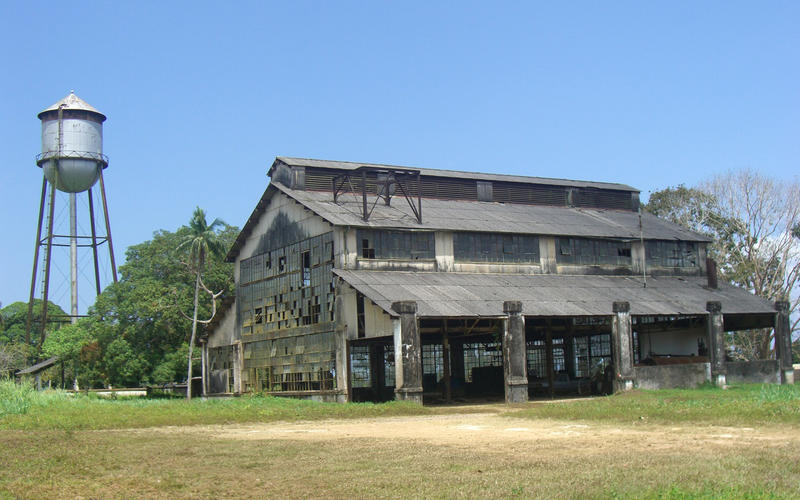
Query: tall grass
x=18, y=399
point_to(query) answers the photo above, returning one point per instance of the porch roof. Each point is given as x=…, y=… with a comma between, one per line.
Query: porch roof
x=462, y=295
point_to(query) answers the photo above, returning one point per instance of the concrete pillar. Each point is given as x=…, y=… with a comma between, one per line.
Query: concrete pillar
x=203, y=367
x=515, y=369
x=783, y=342
x=238, y=367
x=622, y=346
x=716, y=343
x=342, y=361
x=408, y=353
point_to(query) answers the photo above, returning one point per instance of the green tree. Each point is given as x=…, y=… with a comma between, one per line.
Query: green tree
x=13, y=356
x=13, y=318
x=201, y=241
x=753, y=221
x=68, y=344
x=136, y=325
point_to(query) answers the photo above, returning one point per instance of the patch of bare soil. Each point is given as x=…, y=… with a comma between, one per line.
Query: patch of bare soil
x=491, y=432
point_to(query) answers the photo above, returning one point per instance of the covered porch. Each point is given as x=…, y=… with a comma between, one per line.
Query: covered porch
x=460, y=341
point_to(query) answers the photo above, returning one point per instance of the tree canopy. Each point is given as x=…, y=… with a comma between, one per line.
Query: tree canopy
x=137, y=332
x=754, y=222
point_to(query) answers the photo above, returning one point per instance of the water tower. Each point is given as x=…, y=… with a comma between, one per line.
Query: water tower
x=72, y=162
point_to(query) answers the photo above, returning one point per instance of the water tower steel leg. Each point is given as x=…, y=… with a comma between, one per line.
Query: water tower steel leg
x=73, y=257
x=94, y=243
x=29, y=319
x=48, y=254
x=108, y=227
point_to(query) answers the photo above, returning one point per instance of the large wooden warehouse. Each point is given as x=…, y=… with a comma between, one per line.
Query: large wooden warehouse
x=373, y=282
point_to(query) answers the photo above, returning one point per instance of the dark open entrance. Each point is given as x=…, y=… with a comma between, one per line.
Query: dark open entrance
x=462, y=359
x=568, y=356
x=372, y=370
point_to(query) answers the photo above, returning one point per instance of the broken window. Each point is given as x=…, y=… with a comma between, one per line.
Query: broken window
x=388, y=363
x=592, y=354
x=671, y=253
x=278, y=298
x=491, y=247
x=480, y=355
x=537, y=358
x=367, y=251
x=592, y=252
x=305, y=258
x=432, y=362
x=407, y=245
x=360, y=366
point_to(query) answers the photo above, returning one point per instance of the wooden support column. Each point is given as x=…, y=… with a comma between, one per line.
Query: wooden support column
x=408, y=353
x=622, y=346
x=515, y=372
x=457, y=374
x=783, y=342
x=716, y=339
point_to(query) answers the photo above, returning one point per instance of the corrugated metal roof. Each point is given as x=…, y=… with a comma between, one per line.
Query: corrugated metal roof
x=41, y=365
x=465, y=215
x=72, y=102
x=471, y=295
x=348, y=165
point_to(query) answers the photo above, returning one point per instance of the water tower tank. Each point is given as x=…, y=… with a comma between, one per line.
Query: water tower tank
x=72, y=144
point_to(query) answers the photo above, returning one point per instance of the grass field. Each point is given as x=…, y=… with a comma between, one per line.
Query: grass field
x=743, y=442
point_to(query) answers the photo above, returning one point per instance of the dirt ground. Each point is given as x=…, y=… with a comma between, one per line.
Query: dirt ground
x=467, y=452
x=490, y=431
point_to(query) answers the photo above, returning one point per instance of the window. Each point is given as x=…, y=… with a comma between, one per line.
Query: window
x=305, y=259
x=359, y=366
x=592, y=353
x=537, y=357
x=671, y=253
x=409, y=245
x=479, y=355
x=388, y=363
x=490, y=247
x=259, y=315
x=329, y=250
x=367, y=251
x=433, y=360
x=592, y=252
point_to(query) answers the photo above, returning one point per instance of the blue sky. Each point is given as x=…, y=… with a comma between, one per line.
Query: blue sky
x=201, y=96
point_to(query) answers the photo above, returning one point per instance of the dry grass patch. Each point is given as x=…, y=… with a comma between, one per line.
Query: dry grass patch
x=472, y=456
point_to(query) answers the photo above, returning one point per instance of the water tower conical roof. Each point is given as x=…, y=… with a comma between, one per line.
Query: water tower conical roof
x=72, y=102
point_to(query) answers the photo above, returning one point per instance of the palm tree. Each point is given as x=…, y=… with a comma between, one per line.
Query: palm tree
x=202, y=240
